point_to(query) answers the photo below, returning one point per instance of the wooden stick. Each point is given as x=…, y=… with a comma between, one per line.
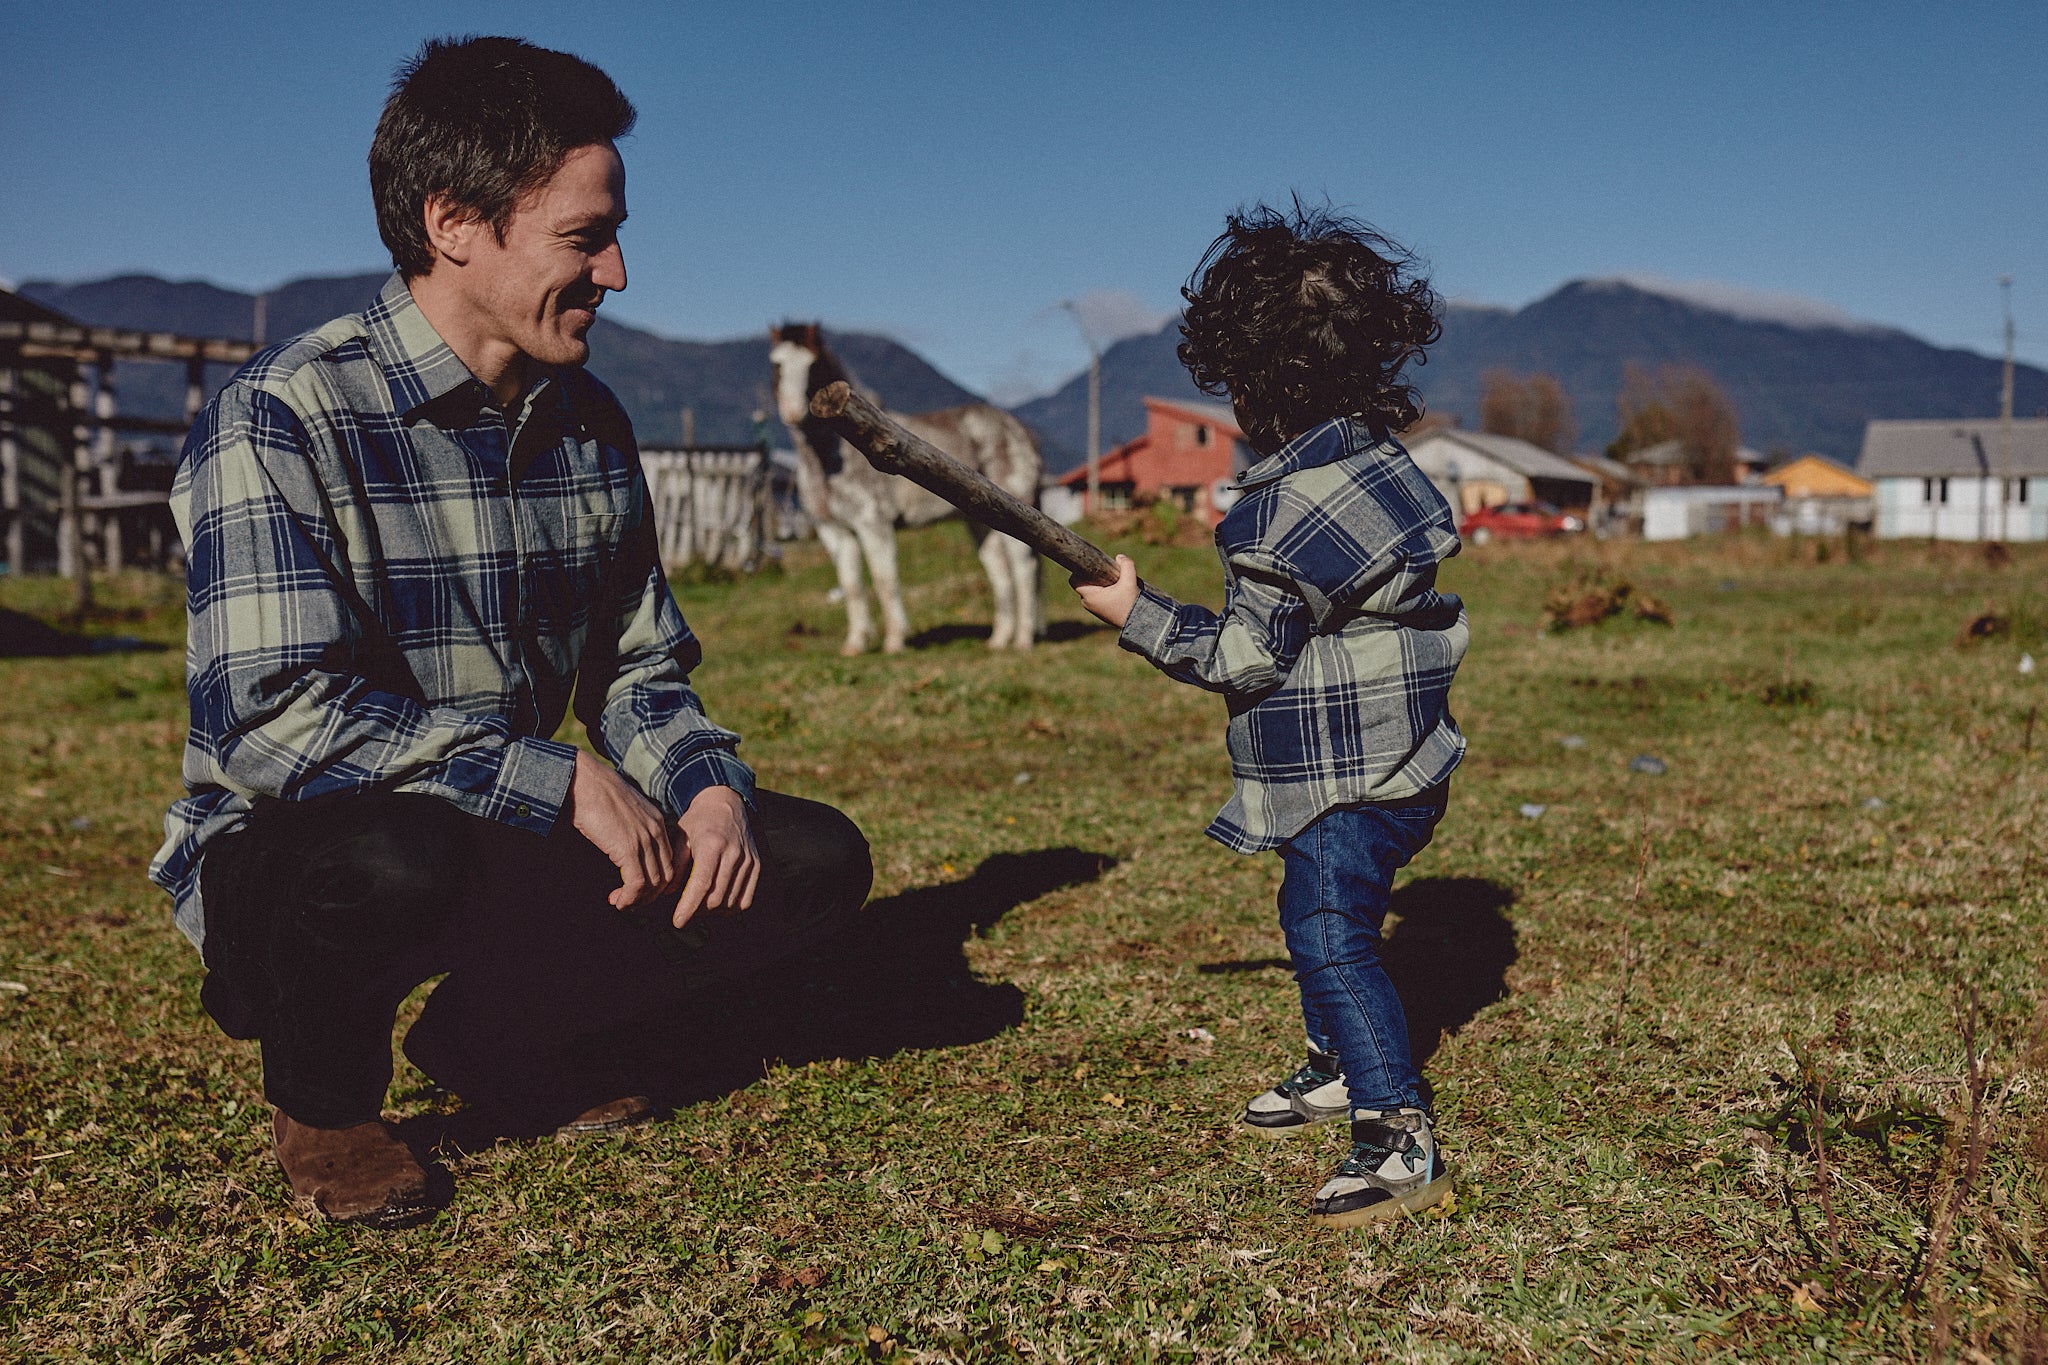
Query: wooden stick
x=893, y=450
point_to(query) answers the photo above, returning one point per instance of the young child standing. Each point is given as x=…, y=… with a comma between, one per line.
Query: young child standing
x=1334, y=651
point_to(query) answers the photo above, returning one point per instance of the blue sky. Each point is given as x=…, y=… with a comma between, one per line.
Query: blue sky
x=948, y=173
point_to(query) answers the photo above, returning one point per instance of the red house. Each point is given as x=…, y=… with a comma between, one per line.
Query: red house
x=1189, y=454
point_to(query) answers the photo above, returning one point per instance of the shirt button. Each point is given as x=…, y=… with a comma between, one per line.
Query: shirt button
x=524, y=811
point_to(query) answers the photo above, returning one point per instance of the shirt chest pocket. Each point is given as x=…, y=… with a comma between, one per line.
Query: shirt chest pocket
x=594, y=543
x=567, y=579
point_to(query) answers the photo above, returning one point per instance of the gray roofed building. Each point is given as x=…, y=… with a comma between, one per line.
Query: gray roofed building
x=1970, y=448
x=1663, y=455
x=1959, y=479
x=1609, y=471
x=1530, y=461
x=1475, y=469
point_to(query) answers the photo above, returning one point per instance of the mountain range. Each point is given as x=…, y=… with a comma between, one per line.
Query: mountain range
x=1798, y=383
x=723, y=383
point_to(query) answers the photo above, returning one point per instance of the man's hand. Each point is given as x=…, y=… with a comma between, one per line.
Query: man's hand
x=627, y=827
x=718, y=844
x=1113, y=603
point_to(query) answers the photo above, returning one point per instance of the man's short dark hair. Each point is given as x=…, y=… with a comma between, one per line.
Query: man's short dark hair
x=1307, y=316
x=481, y=122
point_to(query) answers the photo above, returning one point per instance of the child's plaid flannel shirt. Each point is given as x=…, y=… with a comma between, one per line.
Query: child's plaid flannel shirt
x=1334, y=650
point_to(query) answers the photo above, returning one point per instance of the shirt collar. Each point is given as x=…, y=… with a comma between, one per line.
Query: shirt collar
x=417, y=364
x=1337, y=439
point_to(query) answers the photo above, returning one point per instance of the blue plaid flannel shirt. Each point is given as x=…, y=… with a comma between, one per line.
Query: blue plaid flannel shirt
x=394, y=586
x=1334, y=651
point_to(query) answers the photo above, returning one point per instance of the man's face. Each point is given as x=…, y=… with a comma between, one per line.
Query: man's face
x=539, y=289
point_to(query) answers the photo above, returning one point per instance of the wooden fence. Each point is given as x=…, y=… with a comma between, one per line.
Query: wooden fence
x=64, y=503
x=712, y=504
x=62, y=495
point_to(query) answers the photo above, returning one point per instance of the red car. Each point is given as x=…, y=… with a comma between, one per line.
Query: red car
x=1518, y=521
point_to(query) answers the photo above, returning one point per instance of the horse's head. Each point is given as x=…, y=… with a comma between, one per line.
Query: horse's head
x=795, y=350
x=802, y=367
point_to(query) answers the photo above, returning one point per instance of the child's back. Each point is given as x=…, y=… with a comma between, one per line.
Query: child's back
x=1334, y=647
x=1334, y=651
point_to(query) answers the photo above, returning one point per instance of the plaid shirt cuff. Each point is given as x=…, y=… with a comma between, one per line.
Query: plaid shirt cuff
x=709, y=768
x=1151, y=625
x=533, y=784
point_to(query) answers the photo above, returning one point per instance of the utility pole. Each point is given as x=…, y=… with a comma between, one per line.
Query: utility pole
x=2005, y=413
x=1094, y=409
x=261, y=319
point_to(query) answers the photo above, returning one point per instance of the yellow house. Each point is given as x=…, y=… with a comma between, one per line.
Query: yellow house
x=1821, y=497
x=1811, y=476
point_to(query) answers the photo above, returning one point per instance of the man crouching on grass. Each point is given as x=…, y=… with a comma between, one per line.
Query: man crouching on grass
x=1335, y=652
x=412, y=534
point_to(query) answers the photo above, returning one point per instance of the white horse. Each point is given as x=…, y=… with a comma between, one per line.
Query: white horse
x=857, y=507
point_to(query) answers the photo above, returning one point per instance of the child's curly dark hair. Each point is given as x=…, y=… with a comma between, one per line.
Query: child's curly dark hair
x=1304, y=317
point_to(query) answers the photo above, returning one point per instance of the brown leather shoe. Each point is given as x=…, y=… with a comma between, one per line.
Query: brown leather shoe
x=609, y=1117
x=362, y=1174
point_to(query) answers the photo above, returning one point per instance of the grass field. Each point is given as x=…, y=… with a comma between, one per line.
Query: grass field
x=1701, y=1042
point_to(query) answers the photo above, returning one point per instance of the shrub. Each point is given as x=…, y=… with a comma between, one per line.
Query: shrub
x=1592, y=600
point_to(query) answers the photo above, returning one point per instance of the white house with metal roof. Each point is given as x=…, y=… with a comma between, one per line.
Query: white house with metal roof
x=1475, y=469
x=1976, y=479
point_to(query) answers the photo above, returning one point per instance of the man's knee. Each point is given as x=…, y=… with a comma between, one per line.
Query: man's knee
x=815, y=847
x=355, y=871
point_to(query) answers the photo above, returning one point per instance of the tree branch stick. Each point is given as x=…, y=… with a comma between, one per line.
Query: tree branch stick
x=893, y=450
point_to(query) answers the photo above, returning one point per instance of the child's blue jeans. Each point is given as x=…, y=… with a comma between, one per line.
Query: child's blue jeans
x=1333, y=900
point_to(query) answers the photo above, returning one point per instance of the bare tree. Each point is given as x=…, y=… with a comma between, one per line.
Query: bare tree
x=1534, y=408
x=1706, y=423
x=1501, y=400
x=1551, y=423
x=1680, y=403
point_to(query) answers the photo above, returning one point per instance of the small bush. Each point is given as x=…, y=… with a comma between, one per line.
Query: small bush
x=1156, y=523
x=1985, y=626
x=1791, y=692
x=1162, y=523
x=1590, y=601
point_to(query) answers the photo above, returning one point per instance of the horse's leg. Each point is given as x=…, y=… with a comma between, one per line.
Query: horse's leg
x=1023, y=565
x=995, y=560
x=844, y=547
x=878, y=541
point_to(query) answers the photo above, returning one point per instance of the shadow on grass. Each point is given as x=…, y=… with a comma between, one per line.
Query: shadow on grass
x=897, y=980
x=1057, y=633
x=1250, y=964
x=1448, y=955
x=24, y=637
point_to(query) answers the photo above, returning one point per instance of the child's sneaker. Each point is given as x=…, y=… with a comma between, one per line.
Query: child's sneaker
x=1394, y=1168
x=1314, y=1094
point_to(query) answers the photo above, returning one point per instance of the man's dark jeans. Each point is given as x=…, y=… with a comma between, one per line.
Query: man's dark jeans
x=1334, y=895
x=322, y=916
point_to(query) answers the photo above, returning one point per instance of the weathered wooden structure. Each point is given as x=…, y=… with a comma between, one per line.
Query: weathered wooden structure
x=72, y=499
x=713, y=504
x=64, y=501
